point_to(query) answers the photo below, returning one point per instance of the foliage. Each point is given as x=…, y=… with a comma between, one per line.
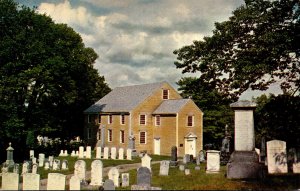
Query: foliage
x=214, y=105
x=277, y=117
x=257, y=46
x=47, y=77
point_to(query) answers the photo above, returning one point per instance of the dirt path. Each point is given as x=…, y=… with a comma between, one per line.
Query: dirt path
x=122, y=168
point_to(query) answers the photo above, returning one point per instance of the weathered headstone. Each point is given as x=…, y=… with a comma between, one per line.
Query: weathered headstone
x=64, y=165
x=88, y=152
x=143, y=176
x=202, y=156
x=174, y=158
x=10, y=181
x=66, y=153
x=81, y=152
x=31, y=154
x=56, y=181
x=113, y=153
x=146, y=161
x=106, y=153
x=41, y=159
x=187, y=171
x=56, y=164
x=181, y=167
x=197, y=167
x=114, y=174
x=164, y=168
x=125, y=179
x=51, y=159
x=47, y=165
x=121, y=154
x=16, y=168
x=263, y=151
x=25, y=168
x=96, y=173
x=75, y=183
x=61, y=153
x=10, y=154
x=80, y=169
x=109, y=185
x=276, y=156
x=34, y=169
x=296, y=167
x=186, y=159
x=213, y=161
x=98, y=153
x=34, y=160
x=31, y=181
x=129, y=154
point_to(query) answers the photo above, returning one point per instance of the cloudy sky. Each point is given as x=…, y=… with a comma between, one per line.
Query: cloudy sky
x=135, y=39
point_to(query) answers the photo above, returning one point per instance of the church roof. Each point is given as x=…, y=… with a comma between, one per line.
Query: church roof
x=170, y=106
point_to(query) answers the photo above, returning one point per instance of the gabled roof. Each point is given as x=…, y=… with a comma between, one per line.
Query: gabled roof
x=124, y=99
x=171, y=106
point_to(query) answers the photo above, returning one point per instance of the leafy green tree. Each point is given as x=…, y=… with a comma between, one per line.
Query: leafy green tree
x=257, y=46
x=277, y=117
x=215, y=106
x=47, y=77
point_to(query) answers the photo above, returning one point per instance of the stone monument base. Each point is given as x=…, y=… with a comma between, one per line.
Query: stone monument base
x=244, y=165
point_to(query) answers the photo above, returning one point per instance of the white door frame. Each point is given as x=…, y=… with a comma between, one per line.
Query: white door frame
x=156, y=146
x=190, y=144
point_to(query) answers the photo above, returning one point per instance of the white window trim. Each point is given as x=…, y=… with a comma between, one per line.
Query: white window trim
x=145, y=119
x=121, y=120
x=121, y=136
x=109, y=130
x=156, y=120
x=145, y=137
x=193, y=121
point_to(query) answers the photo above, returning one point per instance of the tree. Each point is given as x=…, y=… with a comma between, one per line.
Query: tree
x=47, y=77
x=257, y=46
x=215, y=106
x=277, y=117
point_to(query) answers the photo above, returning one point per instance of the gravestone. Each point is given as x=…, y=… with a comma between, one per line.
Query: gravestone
x=146, y=161
x=243, y=162
x=276, y=156
x=34, y=160
x=121, y=154
x=98, y=153
x=47, y=165
x=51, y=159
x=96, y=173
x=263, y=151
x=164, y=168
x=66, y=153
x=75, y=183
x=181, y=167
x=187, y=172
x=113, y=153
x=113, y=174
x=31, y=181
x=202, y=156
x=174, y=162
x=61, y=153
x=143, y=176
x=80, y=169
x=10, y=154
x=186, y=159
x=296, y=167
x=106, y=153
x=81, y=152
x=73, y=154
x=56, y=181
x=109, y=185
x=129, y=154
x=56, y=164
x=34, y=168
x=197, y=167
x=10, y=181
x=31, y=154
x=41, y=159
x=213, y=161
x=88, y=152
x=64, y=165
x=16, y=168
x=125, y=179
x=25, y=168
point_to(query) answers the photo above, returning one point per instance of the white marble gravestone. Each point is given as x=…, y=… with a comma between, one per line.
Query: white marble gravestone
x=41, y=159
x=47, y=165
x=73, y=154
x=213, y=161
x=125, y=179
x=61, y=153
x=51, y=159
x=56, y=181
x=34, y=168
x=276, y=156
x=296, y=167
x=146, y=161
x=80, y=169
x=10, y=181
x=25, y=168
x=129, y=154
x=98, y=153
x=244, y=139
x=81, y=152
x=106, y=153
x=113, y=174
x=88, y=152
x=64, y=165
x=31, y=181
x=96, y=173
x=31, y=154
x=164, y=168
x=187, y=171
x=56, y=164
x=75, y=183
x=121, y=154
x=113, y=153
x=66, y=153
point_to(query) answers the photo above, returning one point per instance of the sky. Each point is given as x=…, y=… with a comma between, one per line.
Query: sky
x=135, y=39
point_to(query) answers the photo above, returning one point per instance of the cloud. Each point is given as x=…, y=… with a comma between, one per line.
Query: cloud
x=135, y=39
